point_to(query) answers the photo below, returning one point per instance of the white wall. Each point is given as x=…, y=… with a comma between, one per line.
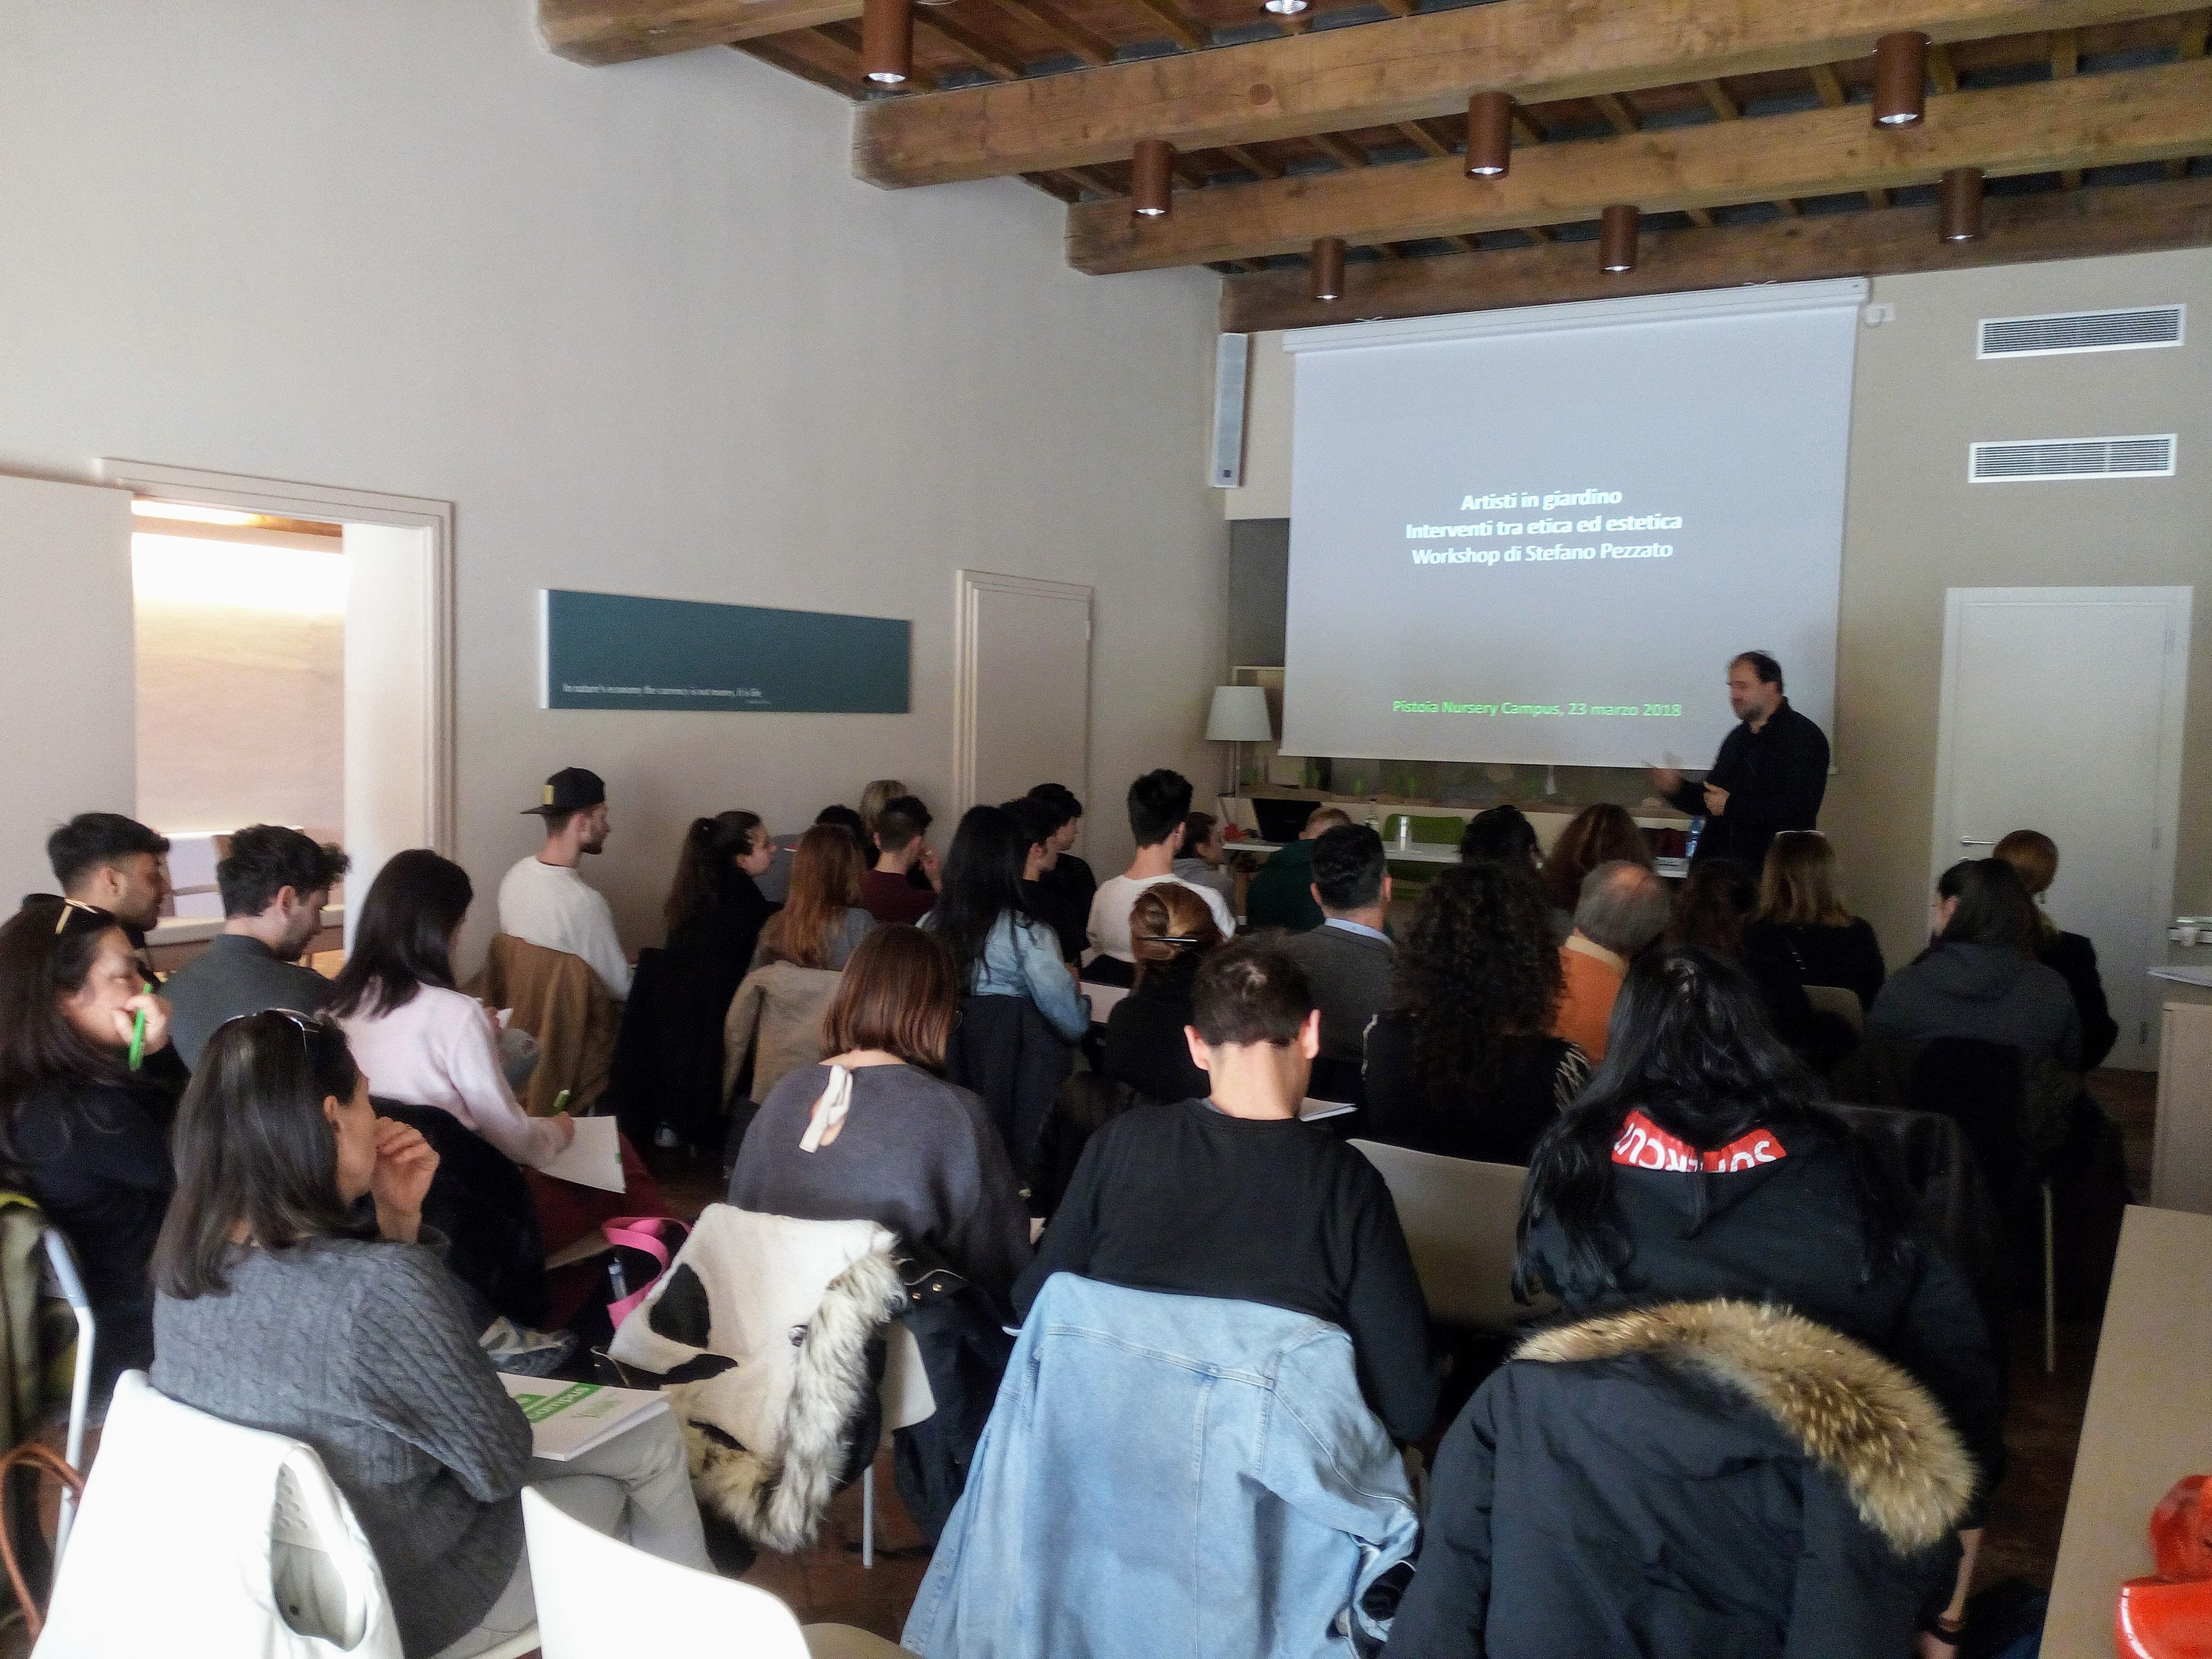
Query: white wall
x=645, y=331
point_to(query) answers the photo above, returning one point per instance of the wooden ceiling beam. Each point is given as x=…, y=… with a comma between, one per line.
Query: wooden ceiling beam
x=1179, y=26
x=1342, y=151
x=2016, y=229
x=1258, y=165
x=984, y=53
x=1422, y=139
x=2132, y=116
x=1072, y=37
x=622, y=31
x=1940, y=67
x=1405, y=69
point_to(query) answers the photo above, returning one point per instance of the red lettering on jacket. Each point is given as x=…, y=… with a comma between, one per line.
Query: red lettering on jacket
x=1644, y=1145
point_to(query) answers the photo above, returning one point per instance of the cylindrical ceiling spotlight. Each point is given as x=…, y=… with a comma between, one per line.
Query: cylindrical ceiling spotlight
x=887, y=41
x=1961, y=212
x=1148, y=178
x=1616, y=238
x=1900, y=79
x=1328, y=263
x=1489, y=135
x=1284, y=8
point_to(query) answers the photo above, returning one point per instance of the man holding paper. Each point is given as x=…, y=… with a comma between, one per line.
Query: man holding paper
x=1770, y=775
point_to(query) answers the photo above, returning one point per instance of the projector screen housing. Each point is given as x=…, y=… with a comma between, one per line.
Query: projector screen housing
x=1540, y=535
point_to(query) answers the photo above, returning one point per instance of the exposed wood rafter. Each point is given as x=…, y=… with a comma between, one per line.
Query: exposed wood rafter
x=2138, y=115
x=2119, y=219
x=1407, y=68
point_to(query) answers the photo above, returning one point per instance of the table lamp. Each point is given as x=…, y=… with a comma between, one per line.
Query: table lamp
x=1239, y=715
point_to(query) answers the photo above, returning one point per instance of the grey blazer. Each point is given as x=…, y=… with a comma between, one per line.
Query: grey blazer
x=1350, y=975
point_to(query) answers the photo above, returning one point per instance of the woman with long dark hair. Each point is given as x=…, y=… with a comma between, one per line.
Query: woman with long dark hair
x=821, y=920
x=1715, y=910
x=426, y=1042
x=85, y=1134
x=999, y=948
x=1699, y=1162
x=1803, y=918
x=875, y=1133
x=1602, y=834
x=1459, y=1062
x=295, y=1296
x=1980, y=978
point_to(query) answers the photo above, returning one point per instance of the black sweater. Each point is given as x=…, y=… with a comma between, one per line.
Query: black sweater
x=1520, y=1101
x=1775, y=778
x=96, y=1156
x=1145, y=1045
x=1848, y=956
x=1179, y=1197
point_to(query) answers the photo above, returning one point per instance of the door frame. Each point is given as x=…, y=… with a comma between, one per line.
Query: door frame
x=1942, y=846
x=285, y=498
x=969, y=588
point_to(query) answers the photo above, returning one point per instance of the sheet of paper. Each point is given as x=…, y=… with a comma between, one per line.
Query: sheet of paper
x=1311, y=1110
x=567, y=1420
x=593, y=1158
x=2183, y=975
x=1104, y=999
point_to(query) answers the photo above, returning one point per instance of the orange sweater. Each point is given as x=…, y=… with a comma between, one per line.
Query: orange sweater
x=1593, y=976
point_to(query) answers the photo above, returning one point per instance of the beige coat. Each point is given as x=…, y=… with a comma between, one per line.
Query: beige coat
x=559, y=1000
x=776, y=1017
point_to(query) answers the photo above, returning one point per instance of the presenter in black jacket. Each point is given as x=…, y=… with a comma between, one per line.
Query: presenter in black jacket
x=1769, y=776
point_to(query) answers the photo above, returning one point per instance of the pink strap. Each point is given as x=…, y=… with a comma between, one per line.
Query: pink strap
x=641, y=1232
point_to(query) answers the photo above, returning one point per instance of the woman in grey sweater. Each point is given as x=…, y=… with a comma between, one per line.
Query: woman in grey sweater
x=279, y=1309
x=873, y=1133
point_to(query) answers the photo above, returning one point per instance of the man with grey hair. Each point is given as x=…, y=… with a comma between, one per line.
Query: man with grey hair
x=1622, y=906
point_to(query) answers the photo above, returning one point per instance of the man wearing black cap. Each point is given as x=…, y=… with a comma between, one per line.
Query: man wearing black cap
x=544, y=901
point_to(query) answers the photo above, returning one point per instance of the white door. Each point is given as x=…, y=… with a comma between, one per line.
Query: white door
x=2062, y=711
x=68, y=683
x=1022, y=702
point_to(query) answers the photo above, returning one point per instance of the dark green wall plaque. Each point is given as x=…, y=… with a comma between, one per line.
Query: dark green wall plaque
x=613, y=651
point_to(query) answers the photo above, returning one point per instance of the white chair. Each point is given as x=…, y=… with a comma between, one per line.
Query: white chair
x=230, y=1541
x=61, y=1262
x=1459, y=1217
x=1841, y=1001
x=599, y=1598
x=906, y=1400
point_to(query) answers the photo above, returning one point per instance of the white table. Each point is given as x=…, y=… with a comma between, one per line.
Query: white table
x=1430, y=852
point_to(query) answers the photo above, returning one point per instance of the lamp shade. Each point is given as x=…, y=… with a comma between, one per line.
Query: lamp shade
x=1239, y=715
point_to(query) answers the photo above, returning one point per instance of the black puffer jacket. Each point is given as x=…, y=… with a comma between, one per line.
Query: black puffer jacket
x=1984, y=992
x=1790, y=1232
x=1705, y=1480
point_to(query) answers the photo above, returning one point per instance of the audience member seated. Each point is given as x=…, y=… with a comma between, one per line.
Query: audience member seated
x=544, y=900
x=1200, y=863
x=844, y=817
x=1039, y=825
x=86, y=1135
x=715, y=913
x=874, y=1133
x=821, y=920
x=275, y=883
x=1503, y=835
x=1604, y=834
x=1232, y=1197
x=1714, y=909
x=1683, y=1481
x=1980, y=978
x=1066, y=880
x=1172, y=932
x=1348, y=960
x=879, y=793
x=1802, y=916
x=283, y=1308
x=1623, y=908
x=1280, y=892
x=425, y=1042
x=1461, y=1062
x=1159, y=803
x=113, y=864
x=2035, y=856
x=886, y=893
x=1700, y=1164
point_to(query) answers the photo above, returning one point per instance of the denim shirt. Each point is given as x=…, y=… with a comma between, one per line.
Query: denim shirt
x=1168, y=1475
x=1024, y=961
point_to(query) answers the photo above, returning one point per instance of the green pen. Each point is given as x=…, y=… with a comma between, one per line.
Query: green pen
x=560, y=1101
x=138, y=1031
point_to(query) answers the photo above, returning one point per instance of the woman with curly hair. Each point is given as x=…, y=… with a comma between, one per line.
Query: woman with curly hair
x=1598, y=835
x=1459, y=1062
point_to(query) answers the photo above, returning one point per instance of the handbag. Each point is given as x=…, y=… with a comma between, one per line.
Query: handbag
x=658, y=1238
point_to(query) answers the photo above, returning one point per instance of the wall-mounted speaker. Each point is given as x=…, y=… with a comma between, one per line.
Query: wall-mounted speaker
x=1233, y=353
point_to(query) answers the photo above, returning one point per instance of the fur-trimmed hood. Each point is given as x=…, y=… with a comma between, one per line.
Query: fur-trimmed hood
x=1850, y=1409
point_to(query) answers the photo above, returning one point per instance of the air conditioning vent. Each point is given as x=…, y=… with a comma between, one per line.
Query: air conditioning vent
x=2082, y=331
x=2072, y=458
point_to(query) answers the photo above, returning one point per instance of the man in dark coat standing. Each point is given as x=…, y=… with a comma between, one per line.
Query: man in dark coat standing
x=1769, y=776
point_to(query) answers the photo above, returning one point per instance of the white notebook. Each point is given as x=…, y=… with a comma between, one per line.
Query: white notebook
x=567, y=1420
x=593, y=1158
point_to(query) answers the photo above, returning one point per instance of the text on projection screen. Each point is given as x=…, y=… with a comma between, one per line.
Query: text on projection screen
x=1545, y=546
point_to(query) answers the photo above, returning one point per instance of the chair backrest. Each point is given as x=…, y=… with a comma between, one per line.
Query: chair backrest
x=200, y=1537
x=905, y=1390
x=1459, y=1217
x=1841, y=1001
x=599, y=1596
